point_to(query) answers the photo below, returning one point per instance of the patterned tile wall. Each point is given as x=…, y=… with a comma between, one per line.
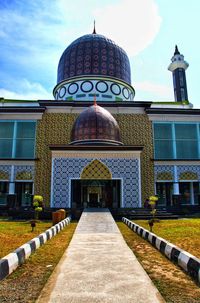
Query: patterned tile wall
x=163, y=168
x=55, y=128
x=189, y=168
x=65, y=169
x=23, y=168
x=17, y=169
x=6, y=169
x=180, y=169
x=136, y=129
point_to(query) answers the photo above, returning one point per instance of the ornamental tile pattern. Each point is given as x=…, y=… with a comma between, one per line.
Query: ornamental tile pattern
x=5, y=172
x=189, y=169
x=165, y=176
x=55, y=128
x=65, y=169
x=23, y=172
x=164, y=171
x=96, y=170
x=188, y=175
x=185, y=172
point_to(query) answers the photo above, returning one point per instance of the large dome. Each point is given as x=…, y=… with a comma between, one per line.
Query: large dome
x=94, y=54
x=95, y=126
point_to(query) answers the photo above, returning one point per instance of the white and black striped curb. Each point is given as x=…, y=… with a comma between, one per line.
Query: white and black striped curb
x=186, y=261
x=10, y=262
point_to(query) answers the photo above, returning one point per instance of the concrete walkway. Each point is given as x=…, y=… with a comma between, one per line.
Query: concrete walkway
x=99, y=267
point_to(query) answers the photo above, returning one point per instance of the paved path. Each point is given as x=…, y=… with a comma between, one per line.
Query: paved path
x=98, y=267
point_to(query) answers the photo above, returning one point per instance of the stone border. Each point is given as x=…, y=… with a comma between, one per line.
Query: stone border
x=10, y=262
x=185, y=260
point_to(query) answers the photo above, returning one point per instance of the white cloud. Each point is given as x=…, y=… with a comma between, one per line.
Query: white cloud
x=34, y=35
x=132, y=24
x=160, y=91
x=28, y=91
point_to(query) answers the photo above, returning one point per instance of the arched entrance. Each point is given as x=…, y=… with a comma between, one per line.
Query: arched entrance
x=96, y=188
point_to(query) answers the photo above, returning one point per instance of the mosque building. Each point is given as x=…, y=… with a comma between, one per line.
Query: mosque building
x=93, y=145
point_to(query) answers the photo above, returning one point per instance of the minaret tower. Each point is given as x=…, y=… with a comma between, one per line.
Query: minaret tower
x=178, y=67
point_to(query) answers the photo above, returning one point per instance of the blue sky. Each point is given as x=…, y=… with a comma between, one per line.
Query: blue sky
x=33, y=35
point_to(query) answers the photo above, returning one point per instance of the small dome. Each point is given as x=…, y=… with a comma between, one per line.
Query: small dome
x=95, y=126
x=94, y=54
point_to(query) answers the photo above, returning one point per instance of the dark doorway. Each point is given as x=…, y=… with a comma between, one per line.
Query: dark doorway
x=93, y=200
x=24, y=190
x=164, y=191
x=96, y=193
x=4, y=189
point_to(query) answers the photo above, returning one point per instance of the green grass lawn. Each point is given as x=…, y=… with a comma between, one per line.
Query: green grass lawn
x=184, y=233
x=26, y=282
x=15, y=234
x=174, y=285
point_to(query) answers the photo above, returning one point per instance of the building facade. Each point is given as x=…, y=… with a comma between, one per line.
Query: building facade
x=93, y=145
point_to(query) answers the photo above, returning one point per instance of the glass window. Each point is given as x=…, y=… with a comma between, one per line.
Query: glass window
x=174, y=80
x=186, y=149
x=176, y=141
x=186, y=131
x=24, y=148
x=163, y=141
x=6, y=139
x=162, y=131
x=186, y=141
x=17, y=139
x=6, y=148
x=181, y=78
x=25, y=130
x=6, y=130
x=163, y=149
x=183, y=94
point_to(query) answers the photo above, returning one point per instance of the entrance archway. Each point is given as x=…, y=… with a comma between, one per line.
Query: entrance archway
x=96, y=193
x=96, y=188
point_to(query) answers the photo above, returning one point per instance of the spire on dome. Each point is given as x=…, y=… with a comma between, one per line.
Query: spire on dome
x=176, y=50
x=94, y=30
x=95, y=100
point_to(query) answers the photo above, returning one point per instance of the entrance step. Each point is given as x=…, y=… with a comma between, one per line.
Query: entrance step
x=141, y=214
x=98, y=266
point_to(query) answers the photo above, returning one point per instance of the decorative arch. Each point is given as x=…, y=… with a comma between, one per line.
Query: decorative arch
x=24, y=175
x=96, y=170
x=4, y=175
x=165, y=176
x=188, y=175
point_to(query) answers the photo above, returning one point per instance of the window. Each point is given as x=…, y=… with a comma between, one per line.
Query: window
x=6, y=139
x=186, y=141
x=174, y=80
x=181, y=78
x=183, y=98
x=176, y=140
x=17, y=139
x=163, y=142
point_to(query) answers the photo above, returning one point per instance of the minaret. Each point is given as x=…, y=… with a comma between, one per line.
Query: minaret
x=178, y=67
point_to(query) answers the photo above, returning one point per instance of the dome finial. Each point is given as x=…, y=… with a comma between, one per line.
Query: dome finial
x=95, y=100
x=94, y=30
x=176, y=50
